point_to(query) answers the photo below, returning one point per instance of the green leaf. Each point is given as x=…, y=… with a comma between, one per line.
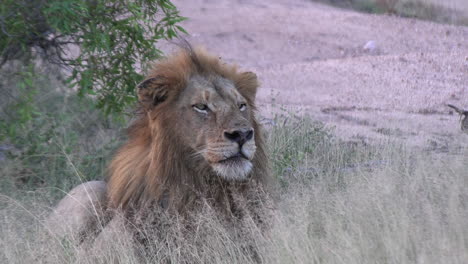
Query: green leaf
x=181, y=29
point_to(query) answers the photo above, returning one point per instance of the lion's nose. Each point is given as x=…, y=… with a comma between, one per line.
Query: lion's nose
x=239, y=136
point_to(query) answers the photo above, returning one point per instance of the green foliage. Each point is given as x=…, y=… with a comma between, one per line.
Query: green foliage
x=101, y=42
x=49, y=135
x=24, y=108
x=51, y=139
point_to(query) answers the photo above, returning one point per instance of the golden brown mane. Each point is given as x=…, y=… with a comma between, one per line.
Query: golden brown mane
x=154, y=167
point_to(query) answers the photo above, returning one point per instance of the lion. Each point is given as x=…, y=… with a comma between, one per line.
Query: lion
x=195, y=140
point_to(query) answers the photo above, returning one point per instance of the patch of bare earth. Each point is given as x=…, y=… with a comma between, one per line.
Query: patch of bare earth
x=311, y=58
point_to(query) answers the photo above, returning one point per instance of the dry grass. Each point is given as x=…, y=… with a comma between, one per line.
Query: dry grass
x=338, y=203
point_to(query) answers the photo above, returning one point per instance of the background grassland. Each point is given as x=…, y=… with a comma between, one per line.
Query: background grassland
x=441, y=11
x=337, y=202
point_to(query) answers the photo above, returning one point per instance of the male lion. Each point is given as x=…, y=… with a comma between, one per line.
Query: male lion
x=196, y=140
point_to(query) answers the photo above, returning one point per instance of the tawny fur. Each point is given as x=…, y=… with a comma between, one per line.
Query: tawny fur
x=153, y=167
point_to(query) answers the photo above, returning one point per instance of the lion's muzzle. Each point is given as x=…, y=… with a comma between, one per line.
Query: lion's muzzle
x=231, y=159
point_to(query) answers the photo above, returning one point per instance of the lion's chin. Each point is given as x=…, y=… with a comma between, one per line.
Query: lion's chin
x=233, y=170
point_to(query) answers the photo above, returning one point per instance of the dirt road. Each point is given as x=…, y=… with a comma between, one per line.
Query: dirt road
x=311, y=58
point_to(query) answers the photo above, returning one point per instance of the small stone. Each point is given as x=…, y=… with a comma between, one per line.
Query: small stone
x=371, y=46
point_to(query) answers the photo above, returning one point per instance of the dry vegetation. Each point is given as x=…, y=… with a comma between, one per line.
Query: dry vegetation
x=337, y=202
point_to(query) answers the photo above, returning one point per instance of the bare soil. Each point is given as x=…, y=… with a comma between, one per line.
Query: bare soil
x=311, y=59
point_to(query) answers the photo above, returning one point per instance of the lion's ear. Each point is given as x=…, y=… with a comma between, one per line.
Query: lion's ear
x=152, y=91
x=248, y=84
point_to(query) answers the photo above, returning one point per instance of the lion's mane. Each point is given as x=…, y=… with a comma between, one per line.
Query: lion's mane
x=153, y=167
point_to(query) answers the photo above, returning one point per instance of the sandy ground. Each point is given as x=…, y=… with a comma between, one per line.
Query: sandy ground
x=310, y=59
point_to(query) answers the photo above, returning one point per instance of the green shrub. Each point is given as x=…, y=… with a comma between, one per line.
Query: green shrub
x=50, y=139
x=100, y=42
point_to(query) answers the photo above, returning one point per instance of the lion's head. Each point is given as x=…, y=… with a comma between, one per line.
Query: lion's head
x=197, y=130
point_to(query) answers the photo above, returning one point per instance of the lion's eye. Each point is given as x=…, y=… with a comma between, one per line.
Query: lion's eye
x=202, y=108
x=242, y=107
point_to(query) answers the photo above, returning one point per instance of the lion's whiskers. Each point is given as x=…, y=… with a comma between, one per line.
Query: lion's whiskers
x=198, y=153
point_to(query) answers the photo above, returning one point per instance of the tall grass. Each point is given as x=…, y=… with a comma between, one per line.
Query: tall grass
x=338, y=202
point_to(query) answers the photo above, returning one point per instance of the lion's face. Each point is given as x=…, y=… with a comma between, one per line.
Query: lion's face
x=207, y=108
x=215, y=121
